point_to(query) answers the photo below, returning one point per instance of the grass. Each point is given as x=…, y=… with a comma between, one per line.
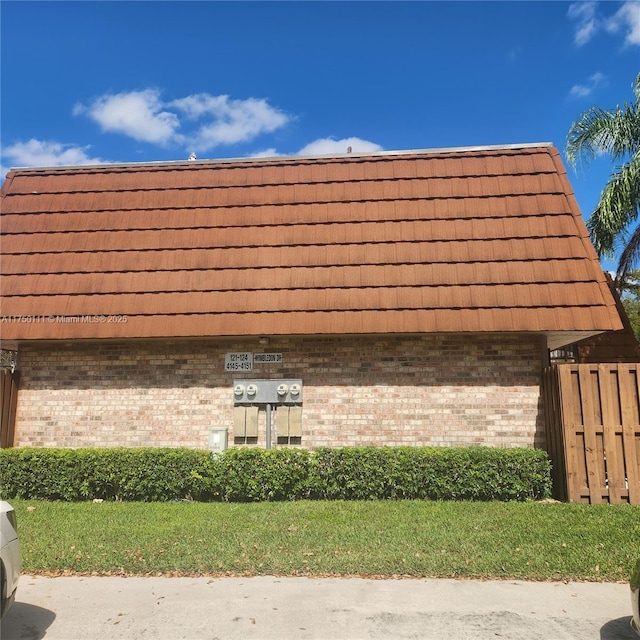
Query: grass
x=531, y=540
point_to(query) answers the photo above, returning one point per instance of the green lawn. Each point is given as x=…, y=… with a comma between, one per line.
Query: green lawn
x=531, y=540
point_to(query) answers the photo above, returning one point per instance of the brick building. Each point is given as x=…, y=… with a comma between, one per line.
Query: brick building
x=412, y=296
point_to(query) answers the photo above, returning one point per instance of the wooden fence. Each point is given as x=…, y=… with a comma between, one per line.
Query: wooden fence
x=593, y=431
x=8, y=401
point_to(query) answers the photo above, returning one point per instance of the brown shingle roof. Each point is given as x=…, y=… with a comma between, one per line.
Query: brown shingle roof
x=480, y=240
x=612, y=346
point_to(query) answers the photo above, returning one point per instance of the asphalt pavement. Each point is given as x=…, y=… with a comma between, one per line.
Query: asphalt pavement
x=158, y=608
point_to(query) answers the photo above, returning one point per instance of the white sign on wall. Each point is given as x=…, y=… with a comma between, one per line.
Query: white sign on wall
x=267, y=358
x=238, y=361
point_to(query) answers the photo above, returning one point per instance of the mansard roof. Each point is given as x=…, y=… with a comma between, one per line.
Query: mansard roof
x=450, y=240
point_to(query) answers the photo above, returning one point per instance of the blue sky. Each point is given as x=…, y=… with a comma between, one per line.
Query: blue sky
x=120, y=81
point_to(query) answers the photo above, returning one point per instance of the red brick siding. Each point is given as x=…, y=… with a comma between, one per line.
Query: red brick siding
x=425, y=390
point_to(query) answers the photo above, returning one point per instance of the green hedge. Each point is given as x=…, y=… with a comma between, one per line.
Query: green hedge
x=440, y=473
x=252, y=475
x=121, y=473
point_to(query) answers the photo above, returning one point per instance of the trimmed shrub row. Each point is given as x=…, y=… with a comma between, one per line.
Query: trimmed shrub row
x=252, y=475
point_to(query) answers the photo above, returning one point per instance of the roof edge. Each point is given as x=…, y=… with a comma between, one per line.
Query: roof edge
x=257, y=159
x=555, y=339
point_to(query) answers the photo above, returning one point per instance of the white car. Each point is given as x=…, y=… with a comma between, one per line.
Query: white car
x=9, y=556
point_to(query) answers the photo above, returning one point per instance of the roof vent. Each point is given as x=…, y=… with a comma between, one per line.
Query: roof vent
x=348, y=149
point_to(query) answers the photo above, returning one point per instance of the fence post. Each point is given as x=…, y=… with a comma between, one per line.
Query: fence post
x=8, y=403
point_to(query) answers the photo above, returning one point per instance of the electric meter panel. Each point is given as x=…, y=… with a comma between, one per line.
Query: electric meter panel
x=267, y=391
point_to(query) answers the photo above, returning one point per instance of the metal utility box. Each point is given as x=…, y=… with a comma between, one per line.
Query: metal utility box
x=252, y=396
x=273, y=392
x=218, y=439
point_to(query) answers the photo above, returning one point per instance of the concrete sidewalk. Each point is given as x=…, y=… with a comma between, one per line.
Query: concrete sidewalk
x=78, y=608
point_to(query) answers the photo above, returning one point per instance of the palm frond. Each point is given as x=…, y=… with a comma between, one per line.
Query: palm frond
x=619, y=205
x=615, y=132
x=630, y=256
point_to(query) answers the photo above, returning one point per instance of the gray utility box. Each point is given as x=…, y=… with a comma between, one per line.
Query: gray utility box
x=267, y=391
x=217, y=439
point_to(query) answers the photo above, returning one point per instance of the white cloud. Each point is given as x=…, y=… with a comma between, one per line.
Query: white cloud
x=265, y=153
x=584, y=15
x=626, y=19
x=46, y=153
x=215, y=120
x=230, y=121
x=137, y=114
x=201, y=122
x=584, y=90
x=324, y=146
x=587, y=23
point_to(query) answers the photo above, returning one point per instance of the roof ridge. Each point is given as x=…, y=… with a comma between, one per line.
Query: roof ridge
x=285, y=158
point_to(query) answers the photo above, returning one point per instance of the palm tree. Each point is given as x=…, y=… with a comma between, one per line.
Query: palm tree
x=615, y=133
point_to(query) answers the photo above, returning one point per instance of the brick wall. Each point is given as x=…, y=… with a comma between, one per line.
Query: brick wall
x=424, y=390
